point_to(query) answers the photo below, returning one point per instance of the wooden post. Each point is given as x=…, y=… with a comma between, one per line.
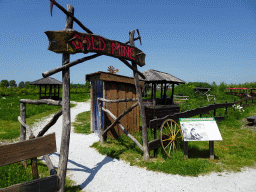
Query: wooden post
x=165, y=93
x=161, y=90
x=214, y=111
x=66, y=122
x=226, y=112
x=152, y=91
x=100, y=122
x=172, y=93
x=22, y=128
x=185, y=149
x=45, y=90
x=211, y=149
x=141, y=105
x=154, y=101
x=39, y=92
x=34, y=164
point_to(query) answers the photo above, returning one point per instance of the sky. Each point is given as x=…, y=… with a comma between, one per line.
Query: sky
x=196, y=41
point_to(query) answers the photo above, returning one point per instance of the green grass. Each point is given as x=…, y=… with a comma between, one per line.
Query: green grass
x=10, y=132
x=82, y=123
x=237, y=150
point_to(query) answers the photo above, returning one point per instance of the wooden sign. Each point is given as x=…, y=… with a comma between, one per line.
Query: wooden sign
x=71, y=41
x=200, y=129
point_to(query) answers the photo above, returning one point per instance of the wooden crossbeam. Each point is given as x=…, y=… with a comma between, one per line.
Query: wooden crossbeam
x=116, y=101
x=28, y=149
x=119, y=117
x=124, y=130
x=41, y=101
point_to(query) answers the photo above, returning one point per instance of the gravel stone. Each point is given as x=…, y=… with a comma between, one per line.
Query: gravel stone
x=98, y=173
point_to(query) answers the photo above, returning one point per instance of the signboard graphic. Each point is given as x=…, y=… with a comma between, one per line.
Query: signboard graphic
x=71, y=41
x=200, y=129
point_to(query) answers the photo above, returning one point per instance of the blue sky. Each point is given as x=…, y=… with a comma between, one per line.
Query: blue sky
x=197, y=40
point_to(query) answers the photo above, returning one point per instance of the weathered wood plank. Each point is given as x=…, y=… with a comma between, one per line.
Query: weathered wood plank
x=16, y=152
x=118, y=100
x=41, y=101
x=71, y=42
x=46, y=184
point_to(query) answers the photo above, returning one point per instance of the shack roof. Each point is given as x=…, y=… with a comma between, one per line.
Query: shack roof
x=105, y=76
x=158, y=76
x=46, y=81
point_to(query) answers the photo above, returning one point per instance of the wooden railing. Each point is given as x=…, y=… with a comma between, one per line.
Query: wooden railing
x=31, y=149
x=156, y=123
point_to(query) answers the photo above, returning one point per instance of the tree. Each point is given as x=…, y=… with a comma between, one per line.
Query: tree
x=21, y=84
x=13, y=83
x=27, y=84
x=4, y=83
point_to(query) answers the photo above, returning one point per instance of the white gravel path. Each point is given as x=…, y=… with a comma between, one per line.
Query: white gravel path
x=98, y=173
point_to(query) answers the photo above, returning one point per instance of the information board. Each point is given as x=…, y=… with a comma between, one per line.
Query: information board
x=200, y=129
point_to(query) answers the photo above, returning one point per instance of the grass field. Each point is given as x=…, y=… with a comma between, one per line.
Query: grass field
x=10, y=132
x=237, y=150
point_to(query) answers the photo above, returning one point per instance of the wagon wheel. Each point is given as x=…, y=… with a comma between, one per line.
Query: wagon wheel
x=170, y=136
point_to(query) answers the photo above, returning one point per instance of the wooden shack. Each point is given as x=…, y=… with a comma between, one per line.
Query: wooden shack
x=112, y=86
x=159, y=107
x=51, y=84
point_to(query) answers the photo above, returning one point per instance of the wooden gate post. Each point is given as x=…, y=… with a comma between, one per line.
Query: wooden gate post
x=66, y=122
x=141, y=105
x=22, y=128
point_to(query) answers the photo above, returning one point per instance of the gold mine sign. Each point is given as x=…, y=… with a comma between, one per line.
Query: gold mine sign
x=71, y=41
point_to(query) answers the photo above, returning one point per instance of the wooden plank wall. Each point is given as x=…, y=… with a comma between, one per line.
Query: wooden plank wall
x=130, y=121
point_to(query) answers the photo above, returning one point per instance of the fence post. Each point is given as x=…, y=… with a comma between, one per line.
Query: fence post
x=200, y=114
x=100, y=122
x=34, y=164
x=22, y=128
x=226, y=112
x=214, y=111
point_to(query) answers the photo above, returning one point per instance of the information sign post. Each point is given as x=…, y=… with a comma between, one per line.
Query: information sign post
x=200, y=129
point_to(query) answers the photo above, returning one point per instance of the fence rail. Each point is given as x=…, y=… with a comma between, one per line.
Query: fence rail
x=156, y=123
x=33, y=148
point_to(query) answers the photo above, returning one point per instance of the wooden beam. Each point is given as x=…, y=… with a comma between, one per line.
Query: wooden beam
x=141, y=105
x=28, y=149
x=66, y=121
x=51, y=123
x=41, y=101
x=124, y=130
x=68, y=65
x=116, y=101
x=46, y=184
x=119, y=117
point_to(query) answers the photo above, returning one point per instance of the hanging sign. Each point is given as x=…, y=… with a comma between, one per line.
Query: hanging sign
x=200, y=129
x=71, y=41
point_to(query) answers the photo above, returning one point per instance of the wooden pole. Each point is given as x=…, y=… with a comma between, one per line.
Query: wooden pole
x=141, y=105
x=66, y=122
x=23, y=128
x=152, y=85
x=172, y=93
x=154, y=101
x=100, y=122
x=211, y=148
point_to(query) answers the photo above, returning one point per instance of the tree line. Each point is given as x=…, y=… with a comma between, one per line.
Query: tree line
x=12, y=83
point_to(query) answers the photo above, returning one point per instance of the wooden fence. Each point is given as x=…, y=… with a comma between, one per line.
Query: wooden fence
x=156, y=123
x=31, y=149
